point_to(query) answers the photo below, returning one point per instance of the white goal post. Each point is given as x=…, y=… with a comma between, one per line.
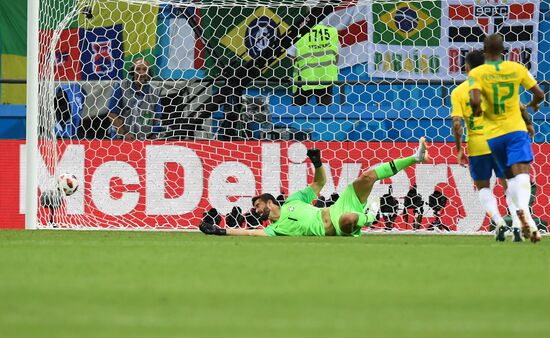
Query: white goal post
x=31, y=193
x=165, y=109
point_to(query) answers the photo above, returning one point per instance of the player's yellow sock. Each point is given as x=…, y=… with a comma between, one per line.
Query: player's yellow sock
x=389, y=169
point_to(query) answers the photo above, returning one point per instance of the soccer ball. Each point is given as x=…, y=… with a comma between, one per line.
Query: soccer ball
x=67, y=183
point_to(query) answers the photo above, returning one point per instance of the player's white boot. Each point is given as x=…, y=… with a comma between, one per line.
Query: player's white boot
x=421, y=154
x=529, y=230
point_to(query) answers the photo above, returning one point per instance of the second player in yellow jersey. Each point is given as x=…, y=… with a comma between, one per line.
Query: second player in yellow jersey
x=475, y=137
x=482, y=165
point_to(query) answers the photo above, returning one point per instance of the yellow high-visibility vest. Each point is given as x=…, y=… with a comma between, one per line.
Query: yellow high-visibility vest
x=316, y=55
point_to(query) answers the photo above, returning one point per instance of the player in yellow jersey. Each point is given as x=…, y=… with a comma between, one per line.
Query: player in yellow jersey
x=497, y=83
x=480, y=159
x=481, y=162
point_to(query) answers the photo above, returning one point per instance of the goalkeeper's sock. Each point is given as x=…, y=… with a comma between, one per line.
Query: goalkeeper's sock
x=489, y=204
x=389, y=169
x=513, y=210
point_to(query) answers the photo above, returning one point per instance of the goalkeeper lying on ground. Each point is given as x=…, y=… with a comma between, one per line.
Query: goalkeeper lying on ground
x=297, y=217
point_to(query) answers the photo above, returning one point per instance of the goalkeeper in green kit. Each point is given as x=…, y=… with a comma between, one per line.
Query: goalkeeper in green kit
x=298, y=217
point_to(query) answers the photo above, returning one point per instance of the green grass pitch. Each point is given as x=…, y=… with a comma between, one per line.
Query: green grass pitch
x=153, y=284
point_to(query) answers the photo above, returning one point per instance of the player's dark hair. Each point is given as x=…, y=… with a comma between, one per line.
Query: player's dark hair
x=493, y=44
x=264, y=198
x=475, y=58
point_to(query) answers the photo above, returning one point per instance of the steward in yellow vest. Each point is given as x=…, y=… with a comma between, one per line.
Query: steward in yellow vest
x=315, y=59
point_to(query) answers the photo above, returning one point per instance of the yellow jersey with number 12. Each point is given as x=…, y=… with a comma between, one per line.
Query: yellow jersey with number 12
x=475, y=136
x=499, y=83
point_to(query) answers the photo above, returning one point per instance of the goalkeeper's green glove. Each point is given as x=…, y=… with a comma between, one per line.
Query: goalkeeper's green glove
x=315, y=157
x=211, y=229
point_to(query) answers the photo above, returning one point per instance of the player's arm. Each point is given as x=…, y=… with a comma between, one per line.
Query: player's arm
x=538, y=97
x=320, y=177
x=474, y=81
x=244, y=232
x=475, y=102
x=528, y=82
x=527, y=119
x=114, y=114
x=457, y=134
x=211, y=229
x=457, y=117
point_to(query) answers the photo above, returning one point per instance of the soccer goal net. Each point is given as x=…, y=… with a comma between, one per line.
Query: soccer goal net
x=165, y=109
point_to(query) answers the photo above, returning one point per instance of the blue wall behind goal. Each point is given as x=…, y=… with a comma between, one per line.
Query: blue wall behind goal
x=366, y=112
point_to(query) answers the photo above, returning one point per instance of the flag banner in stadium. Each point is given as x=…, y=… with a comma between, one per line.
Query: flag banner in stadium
x=351, y=23
x=256, y=32
x=137, y=22
x=242, y=33
x=169, y=185
x=469, y=21
x=101, y=53
x=174, y=31
x=406, y=40
x=66, y=62
x=429, y=39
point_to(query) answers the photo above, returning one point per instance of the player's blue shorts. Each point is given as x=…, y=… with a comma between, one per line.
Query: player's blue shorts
x=482, y=167
x=510, y=149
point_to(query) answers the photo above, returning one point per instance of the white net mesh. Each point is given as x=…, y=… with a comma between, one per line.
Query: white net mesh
x=165, y=109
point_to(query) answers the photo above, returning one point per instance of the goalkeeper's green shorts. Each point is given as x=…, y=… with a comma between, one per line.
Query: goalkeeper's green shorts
x=347, y=202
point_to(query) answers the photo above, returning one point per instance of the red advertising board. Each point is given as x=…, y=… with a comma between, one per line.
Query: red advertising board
x=170, y=185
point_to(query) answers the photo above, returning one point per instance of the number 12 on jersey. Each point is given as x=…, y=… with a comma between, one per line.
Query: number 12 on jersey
x=499, y=101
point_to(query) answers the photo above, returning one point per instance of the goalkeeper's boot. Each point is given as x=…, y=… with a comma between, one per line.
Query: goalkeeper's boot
x=516, y=235
x=529, y=230
x=421, y=154
x=500, y=232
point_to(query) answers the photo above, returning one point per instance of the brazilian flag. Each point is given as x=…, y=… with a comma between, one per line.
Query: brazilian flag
x=240, y=34
x=415, y=23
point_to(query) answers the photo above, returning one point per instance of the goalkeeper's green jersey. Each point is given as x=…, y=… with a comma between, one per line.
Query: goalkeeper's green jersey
x=298, y=216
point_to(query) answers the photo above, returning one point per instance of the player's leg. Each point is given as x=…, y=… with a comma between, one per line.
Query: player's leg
x=490, y=206
x=519, y=158
x=481, y=170
x=513, y=210
x=519, y=187
x=363, y=185
x=513, y=155
x=347, y=213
